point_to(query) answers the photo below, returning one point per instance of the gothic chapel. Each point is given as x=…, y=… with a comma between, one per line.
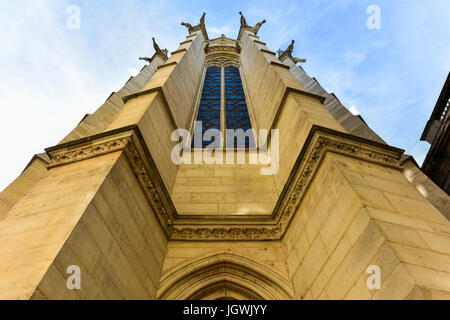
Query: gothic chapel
x=326, y=205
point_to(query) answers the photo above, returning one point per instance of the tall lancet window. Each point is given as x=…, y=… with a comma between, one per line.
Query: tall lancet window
x=209, y=109
x=224, y=109
x=236, y=111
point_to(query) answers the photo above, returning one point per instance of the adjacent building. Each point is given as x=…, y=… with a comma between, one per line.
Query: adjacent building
x=437, y=162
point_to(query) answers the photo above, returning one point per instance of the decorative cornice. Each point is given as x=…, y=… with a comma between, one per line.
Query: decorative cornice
x=87, y=152
x=88, y=147
x=130, y=141
x=224, y=233
x=222, y=49
x=143, y=176
x=222, y=44
x=319, y=142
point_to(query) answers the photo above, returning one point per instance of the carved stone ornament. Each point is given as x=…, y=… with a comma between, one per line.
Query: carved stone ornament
x=199, y=27
x=287, y=204
x=161, y=53
x=82, y=153
x=282, y=55
x=257, y=26
x=319, y=142
x=244, y=26
x=129, y=142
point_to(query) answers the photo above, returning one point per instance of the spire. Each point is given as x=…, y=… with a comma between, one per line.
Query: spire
x=282, y=55
x=200, y=26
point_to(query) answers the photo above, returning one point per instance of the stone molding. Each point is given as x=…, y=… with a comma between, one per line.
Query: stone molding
x=320, y=141
x=222, y=50
x=184, y=282
x=87, y=152
x=88, y=147
x=130, y=141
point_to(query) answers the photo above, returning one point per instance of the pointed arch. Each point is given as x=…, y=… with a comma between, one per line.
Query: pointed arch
x=224, y=275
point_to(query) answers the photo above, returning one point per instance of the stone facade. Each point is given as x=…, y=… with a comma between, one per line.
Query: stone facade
x=436, y=164
x=110, y=200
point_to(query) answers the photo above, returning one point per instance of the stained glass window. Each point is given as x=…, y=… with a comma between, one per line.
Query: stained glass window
x=236, y=112
x=209, y=109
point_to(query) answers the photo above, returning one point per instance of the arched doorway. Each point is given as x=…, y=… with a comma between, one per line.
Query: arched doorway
x=224, y=276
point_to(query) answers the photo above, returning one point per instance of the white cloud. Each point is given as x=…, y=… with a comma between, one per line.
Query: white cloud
x=52, y=76
x=133, y=72
x=355, y=58
x=354, y=110
x=229, y=32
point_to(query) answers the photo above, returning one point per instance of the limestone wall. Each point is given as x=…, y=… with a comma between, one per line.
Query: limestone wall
x=223, y=189
x=270, y=253
x=231, y=269
x=207, y=189
x=297, y=116
x=265, y=83
x=166, y=103
x=118, y=244
x=15, y=191
x=357, y=214
x=33, y=231
x=97, y=210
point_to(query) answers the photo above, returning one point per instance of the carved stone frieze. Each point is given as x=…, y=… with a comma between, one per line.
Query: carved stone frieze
x=288, y=203
x=319, y=142
x=85, y=152
x=147, y=184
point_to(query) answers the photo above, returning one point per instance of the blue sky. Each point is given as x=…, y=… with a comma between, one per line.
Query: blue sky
x=51, y=76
